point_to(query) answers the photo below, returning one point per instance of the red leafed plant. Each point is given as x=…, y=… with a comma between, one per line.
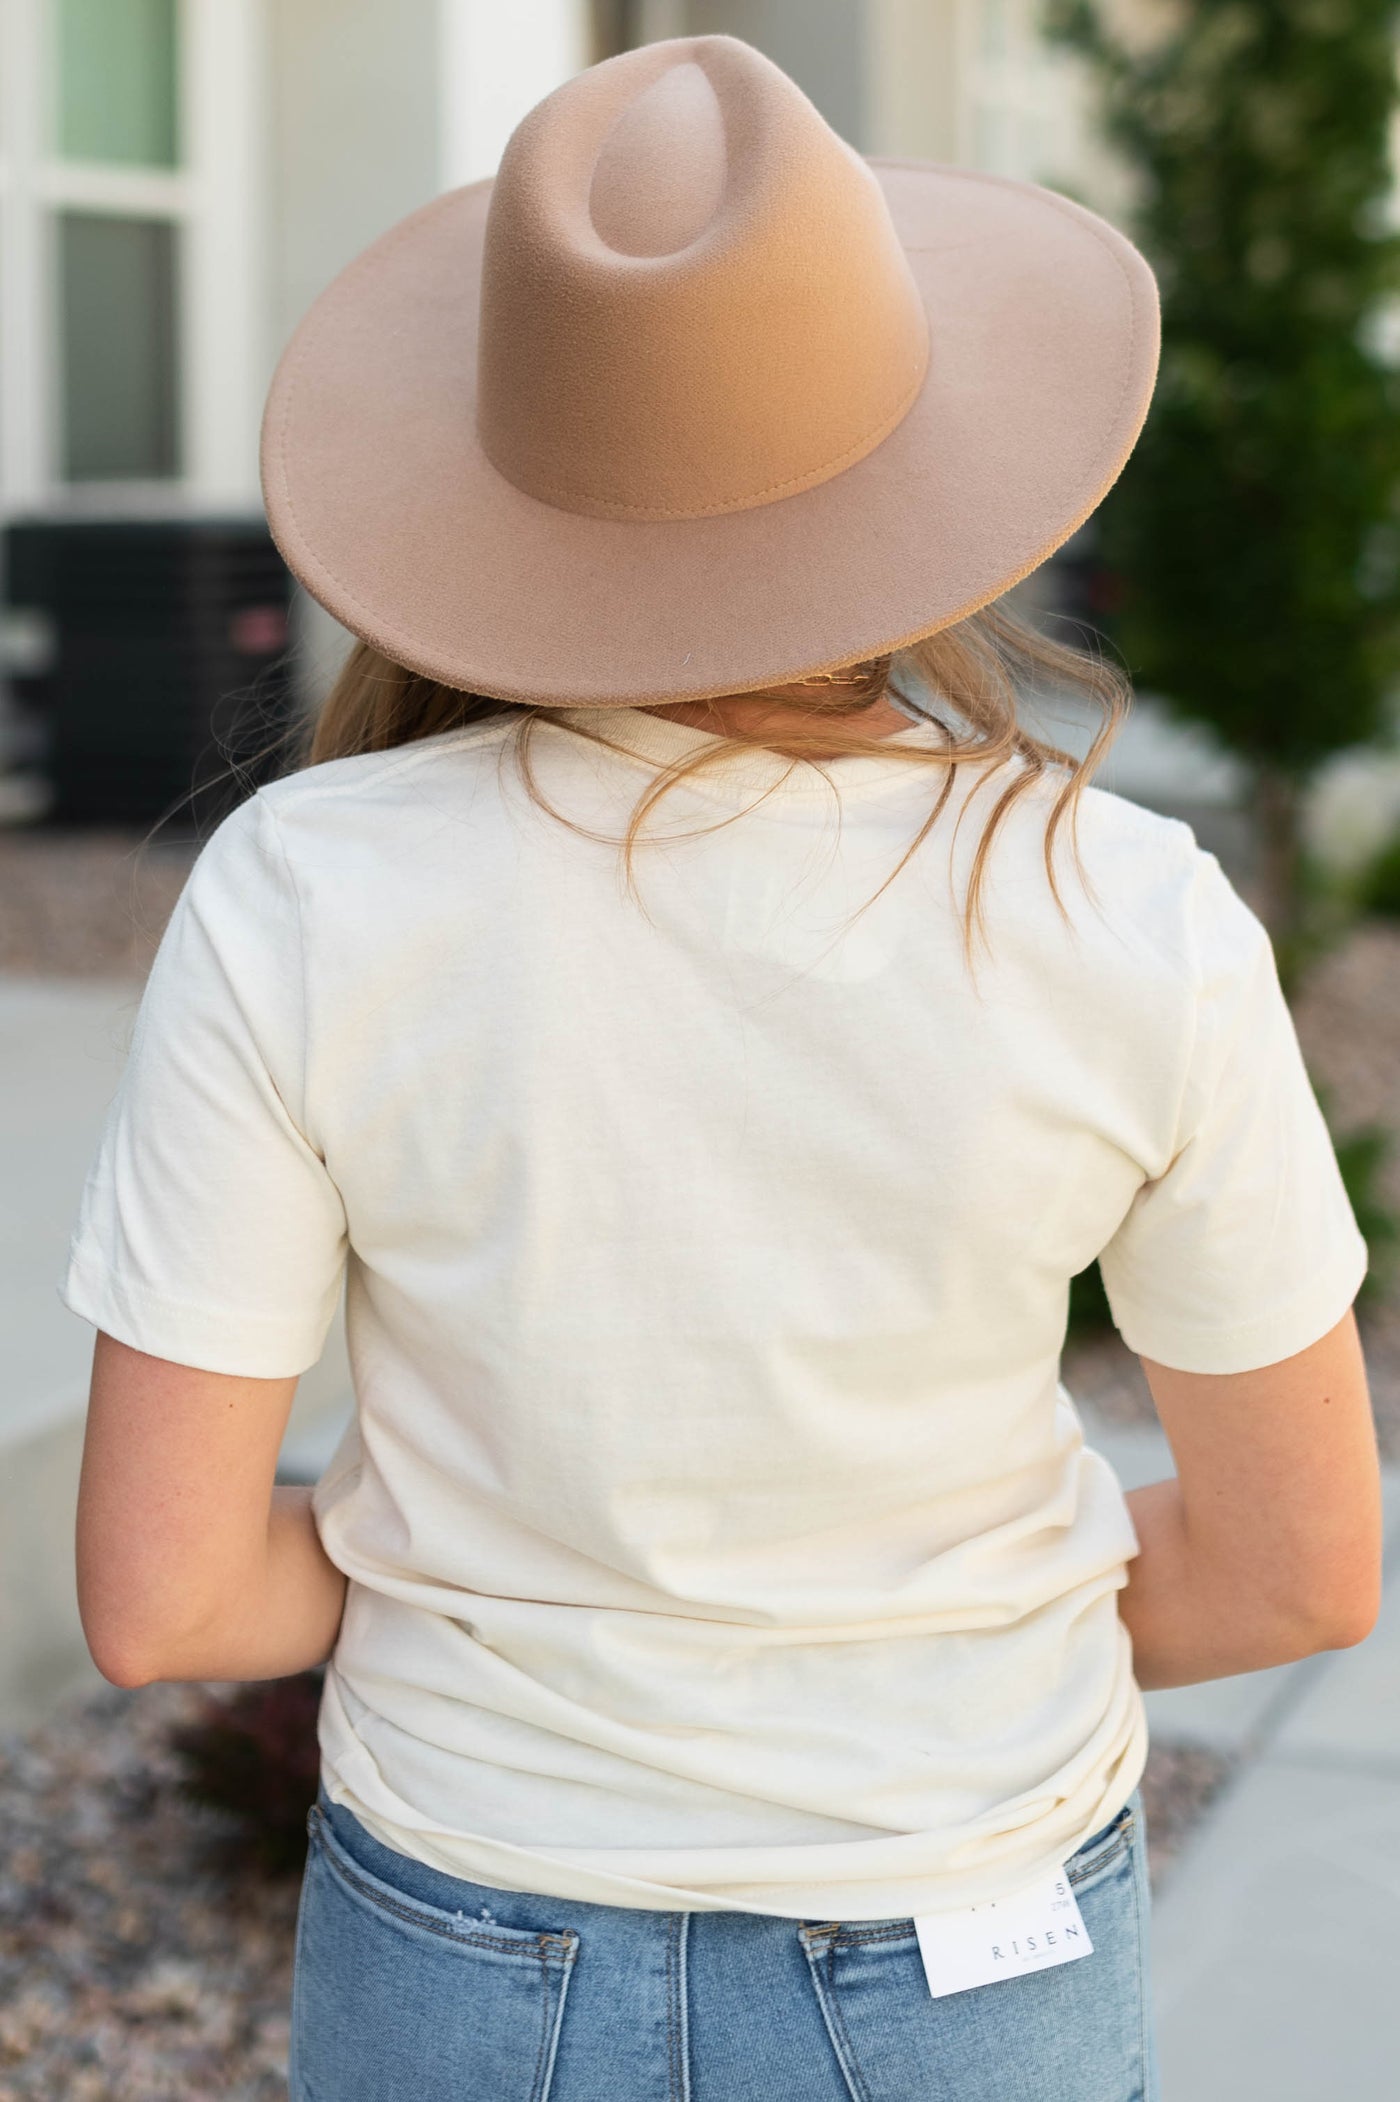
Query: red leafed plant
x=253, y=1756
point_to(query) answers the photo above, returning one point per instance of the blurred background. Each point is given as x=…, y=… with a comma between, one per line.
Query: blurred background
x=178, y=179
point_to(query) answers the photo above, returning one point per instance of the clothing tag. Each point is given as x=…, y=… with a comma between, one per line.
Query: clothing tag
x=1031, y=1930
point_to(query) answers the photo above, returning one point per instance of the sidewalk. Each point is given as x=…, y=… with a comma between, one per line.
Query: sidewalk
x=1274, y=1935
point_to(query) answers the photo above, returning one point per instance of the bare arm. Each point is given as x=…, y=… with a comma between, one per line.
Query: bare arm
x=191, y=1563
x=1267, y=1546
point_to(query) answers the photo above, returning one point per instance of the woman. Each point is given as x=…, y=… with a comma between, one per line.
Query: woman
x=722, y=1608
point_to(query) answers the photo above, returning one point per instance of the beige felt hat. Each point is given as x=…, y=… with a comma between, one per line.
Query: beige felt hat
x=692, y=398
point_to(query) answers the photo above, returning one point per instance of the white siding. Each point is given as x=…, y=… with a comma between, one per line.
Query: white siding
x=497, y=63
x=354, y=136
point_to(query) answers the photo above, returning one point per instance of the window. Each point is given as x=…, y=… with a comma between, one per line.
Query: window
x=113, y=109
x=116, y=79
x=118, y=375
x=131, y=294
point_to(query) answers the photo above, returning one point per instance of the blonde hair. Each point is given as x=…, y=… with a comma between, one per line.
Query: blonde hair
x=980, y=665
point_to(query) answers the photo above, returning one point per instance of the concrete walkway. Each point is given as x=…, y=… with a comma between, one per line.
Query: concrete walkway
x=1274, y=1932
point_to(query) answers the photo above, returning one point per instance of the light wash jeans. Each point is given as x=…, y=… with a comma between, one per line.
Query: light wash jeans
x=415, y=1986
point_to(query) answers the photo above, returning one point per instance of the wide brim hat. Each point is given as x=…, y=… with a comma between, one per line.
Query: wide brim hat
x=691, y=398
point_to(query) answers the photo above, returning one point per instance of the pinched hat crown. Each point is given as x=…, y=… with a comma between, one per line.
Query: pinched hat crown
x=693, y=297
x=691, y=398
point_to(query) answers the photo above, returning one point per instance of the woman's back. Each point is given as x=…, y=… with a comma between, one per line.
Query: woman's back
x=716, y=1545
x=720, y=1534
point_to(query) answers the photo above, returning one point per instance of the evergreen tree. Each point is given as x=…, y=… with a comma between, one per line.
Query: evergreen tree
x=1256, y=531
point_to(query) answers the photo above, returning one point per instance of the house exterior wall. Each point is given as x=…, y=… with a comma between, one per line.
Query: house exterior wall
x=353, y=139
x=822, y=43
x=491, y=74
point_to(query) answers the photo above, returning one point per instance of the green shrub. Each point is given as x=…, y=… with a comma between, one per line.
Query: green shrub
x=1254, y=537
x=1380, y=887
x=1089, y=1313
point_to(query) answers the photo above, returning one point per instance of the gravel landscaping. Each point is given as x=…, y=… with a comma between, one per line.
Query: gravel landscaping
x=85, y=904
x=134, y=1965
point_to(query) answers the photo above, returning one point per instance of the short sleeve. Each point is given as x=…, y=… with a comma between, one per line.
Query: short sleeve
x=1245, y=1249
x=209, y=1231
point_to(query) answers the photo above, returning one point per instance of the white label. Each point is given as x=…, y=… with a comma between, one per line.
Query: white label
x=1031, y=1930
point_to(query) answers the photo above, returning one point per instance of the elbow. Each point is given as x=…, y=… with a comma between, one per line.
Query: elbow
x=1339, y=1622
x=138, y=1635
x=1352, y=1624
x=121, y=1663
x=127, y=1652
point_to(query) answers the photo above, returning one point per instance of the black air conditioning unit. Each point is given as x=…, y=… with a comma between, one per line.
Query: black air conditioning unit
x=168, y=666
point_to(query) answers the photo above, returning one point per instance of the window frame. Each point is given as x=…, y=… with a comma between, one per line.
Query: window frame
x=215, y=202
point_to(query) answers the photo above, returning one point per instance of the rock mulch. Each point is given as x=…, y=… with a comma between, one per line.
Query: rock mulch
x=134, y=1967
x=140, y=1963
x=85, y=904
x=1179, y=1786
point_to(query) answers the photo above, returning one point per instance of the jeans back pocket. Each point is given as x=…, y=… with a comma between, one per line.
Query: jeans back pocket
x=1077, y=2032
x=1105, y=1850
x=393, y=1996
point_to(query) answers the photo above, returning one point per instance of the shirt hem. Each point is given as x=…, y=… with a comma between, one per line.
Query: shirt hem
x=1252, y=1345
x=241, y=1345
x=505, y=1865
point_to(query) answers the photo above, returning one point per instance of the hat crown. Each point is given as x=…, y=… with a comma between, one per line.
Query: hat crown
x=659, y=178
x=693, y=296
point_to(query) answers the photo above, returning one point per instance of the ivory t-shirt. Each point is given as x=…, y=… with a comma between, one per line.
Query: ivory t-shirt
x=720, y=1533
